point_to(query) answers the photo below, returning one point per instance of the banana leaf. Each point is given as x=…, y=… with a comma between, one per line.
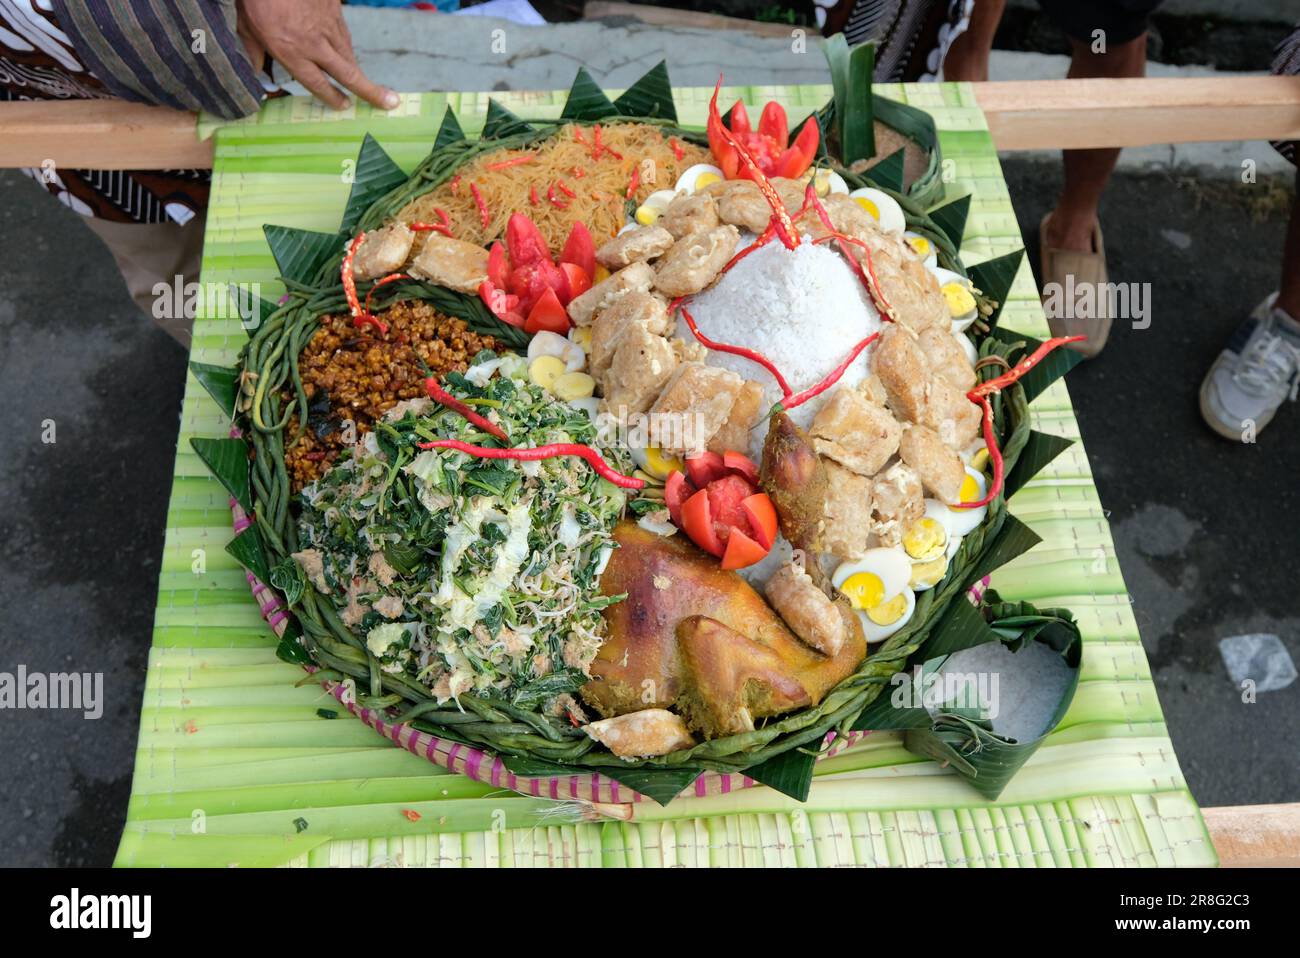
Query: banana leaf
x=993, y=278
x=500, y=123
x=587, y=101
x=951, y=218
x=790, y=773
x=650, y=96
x=1013, y=539
x=888, y=173
x=227, y=460
x=853, y=129
x=248, y=550
x=375, y=174
x=220, y=382
x=299, y=254
x=1052, y=367
x=449, y=131
x=1040, y=449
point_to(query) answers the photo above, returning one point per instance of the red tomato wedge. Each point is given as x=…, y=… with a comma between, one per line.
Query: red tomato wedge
x=676, y=491
x=526, y=243
x=761, y=514
x=548, y=313
x=738, y=462
x=498, y=269
x=580, y=250
x=725, y=498
x=698, y=523
x=579, y=280
x=704, y=468
x=742, y=551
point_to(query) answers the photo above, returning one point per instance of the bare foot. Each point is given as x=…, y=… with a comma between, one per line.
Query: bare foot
x=1072, y=233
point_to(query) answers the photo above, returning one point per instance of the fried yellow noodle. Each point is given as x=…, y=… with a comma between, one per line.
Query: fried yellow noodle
x=559, y=182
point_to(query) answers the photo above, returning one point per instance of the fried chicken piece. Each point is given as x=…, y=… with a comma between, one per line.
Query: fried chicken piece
x=634, y=246
x=641, y=734
x=383, y=251
x=939, y=468
x=453, y=263
x=642, y=364
x=896, y=502
x=638, y=277
x=808, y=611
x=903, y=371
x=693, y=406
x=690, y=213
x=795, y=478
x=695, y=261
x=949, y=413
x=855, y=432
x=628, y=311
x=708, y=647
x=847, y=512
x=946, y=357
x=734, y=435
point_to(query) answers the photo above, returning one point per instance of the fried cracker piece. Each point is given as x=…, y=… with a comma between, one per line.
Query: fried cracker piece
x=453, y=263
x=855, y=432
x=629, y=310
x=695, y=261
x=896, y=502
x=641, y=366
x=847, y=522
x=690, y=213
x=949, y=413
x=808, y=611
x=938, y=466
x=634, y=246
x=641, y=734
x=946, y=357
x=902, y=370
x=734, y=433
x=638, y=277
x=692, y=407
x=383, y=251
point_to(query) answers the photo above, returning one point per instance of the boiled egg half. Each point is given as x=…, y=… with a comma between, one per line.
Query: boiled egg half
x=959, y=294
x=923, y=248
x=882, y=207
x=876, y=586
x=697, y=177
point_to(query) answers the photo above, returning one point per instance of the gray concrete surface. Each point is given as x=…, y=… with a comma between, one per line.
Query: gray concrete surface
x=1204, y=528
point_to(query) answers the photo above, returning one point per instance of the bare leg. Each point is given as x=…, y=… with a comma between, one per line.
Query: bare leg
x=1087, y=171
x=1288, y=297
x=968, y=57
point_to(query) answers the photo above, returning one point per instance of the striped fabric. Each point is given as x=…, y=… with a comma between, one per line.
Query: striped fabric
x=912, y=36
x=178, y=53
x=1286, y=62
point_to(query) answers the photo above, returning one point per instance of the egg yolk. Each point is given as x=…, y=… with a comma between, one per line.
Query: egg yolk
x=920, y=245
x=925, y=539
x=544, y=370
x=602, y=274
x=864, y=590
x=705, y=179
x=582, y=338
x=959, y=299
x=887, y=613
x=980, y=459
x=928, y=573
x=869, y=206
x=823, y=180
x=970, y=490
x=646, y=214
x=661, y=466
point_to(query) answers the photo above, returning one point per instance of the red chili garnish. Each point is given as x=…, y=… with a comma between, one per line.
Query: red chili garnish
x=995, y=455
x=578, y=172
x=749, y=354
x=390, y=278
x=558, y=203
x=481, y=204
x=633, y=183
x=537, y=453
x=564, y=188
x=676, y=148
x=513, y=161
x=598, y=148
x=439, y=394
x=763, y=239
x=577, y=135
x=532, y=195
x=834, y=377
x=443, y=227
x=455, y=182
x=360, y=317
x=868, y=278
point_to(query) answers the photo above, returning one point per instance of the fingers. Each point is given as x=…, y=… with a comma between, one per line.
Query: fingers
x=310, y=76
x=342, y=66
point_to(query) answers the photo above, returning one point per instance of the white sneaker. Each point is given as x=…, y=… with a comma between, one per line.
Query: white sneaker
x=1257, y=370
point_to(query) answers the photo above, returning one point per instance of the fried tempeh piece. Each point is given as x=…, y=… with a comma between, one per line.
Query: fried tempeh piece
x=634, y=246
x=806, y=609
x=949, y=413
x=939, y=468
x=946, y=357
x=695, y=261
x=641, y=734
x=638, y=277
x=383, y=251
x=453, y=263
x=855, y=432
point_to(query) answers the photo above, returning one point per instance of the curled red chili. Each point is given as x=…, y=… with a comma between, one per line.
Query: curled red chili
x=564, y=188
x=868, y=278
x=555, y=201
x=390, y=278
x=750, y=354
x=811, y=392
x=439, y=394
x=360, y=317
x=995, y=456
x=483, y=216
x=537, y=453
x=599, y=148
x=443, y=227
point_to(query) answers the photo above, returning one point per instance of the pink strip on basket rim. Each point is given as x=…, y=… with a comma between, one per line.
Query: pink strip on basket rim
x=485, y=766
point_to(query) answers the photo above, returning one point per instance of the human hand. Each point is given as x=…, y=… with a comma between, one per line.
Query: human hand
x=310, y=39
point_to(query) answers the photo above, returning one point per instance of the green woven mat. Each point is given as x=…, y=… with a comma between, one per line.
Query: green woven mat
x=235, y=764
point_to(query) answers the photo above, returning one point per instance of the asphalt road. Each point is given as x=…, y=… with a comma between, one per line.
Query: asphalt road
x=1204, y=528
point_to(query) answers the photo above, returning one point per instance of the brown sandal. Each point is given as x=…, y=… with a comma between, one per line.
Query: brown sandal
x=1065, y=273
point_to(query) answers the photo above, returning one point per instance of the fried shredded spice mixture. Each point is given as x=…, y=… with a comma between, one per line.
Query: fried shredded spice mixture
x=355, y=374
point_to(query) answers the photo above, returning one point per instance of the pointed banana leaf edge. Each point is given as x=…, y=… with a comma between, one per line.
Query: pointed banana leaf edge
x=227, y=460
x=220, y=383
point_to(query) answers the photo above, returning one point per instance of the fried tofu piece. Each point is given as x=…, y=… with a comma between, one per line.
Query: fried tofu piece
x=642, y=365
x=897, y=501
x=694, y=404
x=629, y=310
x=689, y=350
x=734, y=434
x=903, y=371
x=808, y=611
x=383, y=251
x=695, y=261
x=874, y=390
x=638, y=277
x=846, y=215
x=690, y=213
x=847, y=523
x=741, y=203
x=939, y=467
x=635, y=246
x=453, y=263
x=949, y=413
x=855, y=432
x=641, y=734
x=946, y=357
